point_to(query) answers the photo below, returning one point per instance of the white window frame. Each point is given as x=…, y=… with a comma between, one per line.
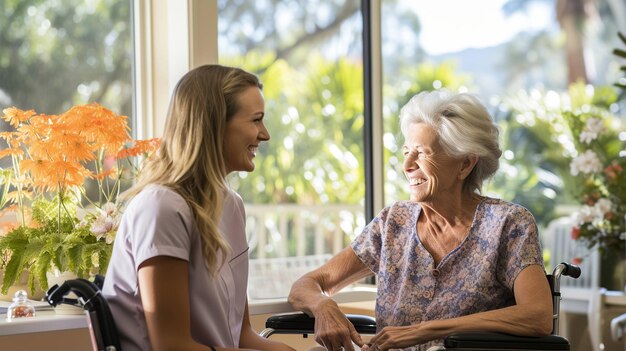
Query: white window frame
x=171, y=37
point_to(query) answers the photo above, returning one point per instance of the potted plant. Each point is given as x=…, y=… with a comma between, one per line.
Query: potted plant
x=61, y=189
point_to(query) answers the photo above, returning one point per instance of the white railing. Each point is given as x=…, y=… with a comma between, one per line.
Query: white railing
x=298, y=230
x=289, y=240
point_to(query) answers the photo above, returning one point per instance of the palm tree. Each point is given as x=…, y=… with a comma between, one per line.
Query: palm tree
x=572, y=15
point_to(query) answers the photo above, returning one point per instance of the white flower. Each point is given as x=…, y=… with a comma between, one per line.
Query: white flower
x=105, y=222
x=592, y=129
x=603, y=206
x=586, y=215
x=109, y=209
x=586, y=137
x=102, y=225
x=588, y=162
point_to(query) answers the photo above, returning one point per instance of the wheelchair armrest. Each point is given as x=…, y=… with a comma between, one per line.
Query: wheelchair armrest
x=301, y=323
x=498, y=341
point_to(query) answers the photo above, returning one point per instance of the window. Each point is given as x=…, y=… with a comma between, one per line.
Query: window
x=305, y=198
x=500, y=51
x=57, y=54
x=506, y=52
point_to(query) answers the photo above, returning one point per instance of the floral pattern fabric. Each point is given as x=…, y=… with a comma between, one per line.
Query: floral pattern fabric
x=476, y=276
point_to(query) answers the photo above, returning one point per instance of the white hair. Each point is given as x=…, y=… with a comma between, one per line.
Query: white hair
x=464, y=128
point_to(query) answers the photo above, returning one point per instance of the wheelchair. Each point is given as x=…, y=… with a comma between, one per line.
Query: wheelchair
x=301, y=323
x=104, y=336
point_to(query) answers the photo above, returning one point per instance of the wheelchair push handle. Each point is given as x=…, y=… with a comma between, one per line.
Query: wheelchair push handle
x=81, y=287
x=567, y=269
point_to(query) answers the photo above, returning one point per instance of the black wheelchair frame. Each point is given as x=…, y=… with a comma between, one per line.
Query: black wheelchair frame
x=104, y=335
x=301, y=323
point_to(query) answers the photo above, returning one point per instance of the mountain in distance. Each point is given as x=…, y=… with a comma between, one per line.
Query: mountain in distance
x=482, y=64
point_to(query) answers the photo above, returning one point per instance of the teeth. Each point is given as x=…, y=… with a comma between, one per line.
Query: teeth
x=415, y=181
x=253, y=149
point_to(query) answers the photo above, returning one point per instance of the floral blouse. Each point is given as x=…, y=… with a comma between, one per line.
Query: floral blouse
x=476, y=276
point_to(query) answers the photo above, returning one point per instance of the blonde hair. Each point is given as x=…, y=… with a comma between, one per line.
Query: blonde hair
x=464, y=128
x=190, y=158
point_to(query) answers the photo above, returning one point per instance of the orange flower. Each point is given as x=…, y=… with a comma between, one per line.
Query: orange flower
x=71, y=147
x=99, y=125
x=54, y=175
x=70, y=173
x=40, y=171
x=10, y=152
x=140, y=147
x=105, y=174
x=38, y=127
x=12, y=138
x=16, y=116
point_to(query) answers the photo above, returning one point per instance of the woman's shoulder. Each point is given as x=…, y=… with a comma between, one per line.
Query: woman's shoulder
x=233, y=202
x=231, y=195
x=404, y=205
x=503, y=208
x=401, y=209
x=155, y=198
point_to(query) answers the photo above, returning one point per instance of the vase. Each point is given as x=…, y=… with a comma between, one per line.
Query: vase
x=613, y=270
x=58, y=278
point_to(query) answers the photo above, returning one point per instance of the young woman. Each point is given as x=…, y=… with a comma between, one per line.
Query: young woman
x=177, y=279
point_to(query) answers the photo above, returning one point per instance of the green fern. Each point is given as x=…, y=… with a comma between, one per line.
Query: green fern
x=55, y=244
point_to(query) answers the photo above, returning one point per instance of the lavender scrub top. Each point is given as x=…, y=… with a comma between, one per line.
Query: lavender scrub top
x=476, y=276
x=158, y=222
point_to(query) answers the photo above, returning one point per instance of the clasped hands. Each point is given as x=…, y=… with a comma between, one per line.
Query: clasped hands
x=335, y=332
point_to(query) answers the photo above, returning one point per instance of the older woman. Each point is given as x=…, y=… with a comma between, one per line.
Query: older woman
x=449, y=260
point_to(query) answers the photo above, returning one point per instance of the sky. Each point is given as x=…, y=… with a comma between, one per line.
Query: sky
x=454, y=25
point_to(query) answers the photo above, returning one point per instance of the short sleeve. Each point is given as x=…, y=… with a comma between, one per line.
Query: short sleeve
x=520, y=246
x=368, y=245
x=159, y=223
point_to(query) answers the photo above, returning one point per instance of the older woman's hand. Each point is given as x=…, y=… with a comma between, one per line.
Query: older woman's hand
x=333, y=330
x=396, y=338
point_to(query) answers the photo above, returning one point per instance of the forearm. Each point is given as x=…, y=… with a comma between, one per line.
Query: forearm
x=306, y=294
x=514, y=320
x=517, y=320
x=315, y=288
x=251, y=340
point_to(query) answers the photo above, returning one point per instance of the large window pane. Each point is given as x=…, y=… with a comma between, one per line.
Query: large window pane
x=503, y=51
x=305, y=199
x=60, y=53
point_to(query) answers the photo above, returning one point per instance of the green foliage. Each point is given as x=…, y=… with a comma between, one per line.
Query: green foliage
x=315, y=121
x=56, y=243
x=51, y=48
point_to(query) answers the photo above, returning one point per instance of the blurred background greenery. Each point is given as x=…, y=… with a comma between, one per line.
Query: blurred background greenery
x=58, y=53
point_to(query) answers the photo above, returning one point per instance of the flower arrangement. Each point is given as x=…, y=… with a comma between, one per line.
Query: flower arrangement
x=598, y=169
x=61, y=188
x=576, y=152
